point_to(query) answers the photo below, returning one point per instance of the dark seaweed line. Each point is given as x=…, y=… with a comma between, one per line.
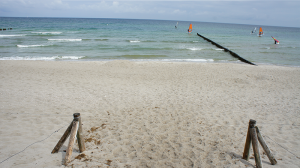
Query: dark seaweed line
x=227, y=50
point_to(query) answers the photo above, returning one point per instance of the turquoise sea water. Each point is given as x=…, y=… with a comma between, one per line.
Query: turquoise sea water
x=143, y=40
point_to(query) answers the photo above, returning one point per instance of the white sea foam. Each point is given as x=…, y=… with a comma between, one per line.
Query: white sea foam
x=25, y=46
x=47, y=32
x=193, y=60
x=194, y=49
x=27, y=58
x=176, y=60
x=219, y=49
x=17, y=35
x=134, y=41
x=70, y=57
x=64, y=39
x=43, y=58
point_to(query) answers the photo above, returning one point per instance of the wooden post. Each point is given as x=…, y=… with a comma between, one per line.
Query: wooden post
x=62, y=139
x=80, y=137
x=255, y=147
x=72, y=141
x=246, y=154
x=265, y=147
x=75, y=128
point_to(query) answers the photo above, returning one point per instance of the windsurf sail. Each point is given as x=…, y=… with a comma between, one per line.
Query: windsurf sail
x=176, y=25
x=276, y=41
x=260, y=32
x=254, y=30
x=190, y=28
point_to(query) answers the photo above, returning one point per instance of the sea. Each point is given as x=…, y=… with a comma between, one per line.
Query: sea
x=100, y=39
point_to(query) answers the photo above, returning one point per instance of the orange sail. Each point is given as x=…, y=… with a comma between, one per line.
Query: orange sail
x=190, y=28
x=260, y=32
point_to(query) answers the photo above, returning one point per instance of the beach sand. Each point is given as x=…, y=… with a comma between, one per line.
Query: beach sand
x=147, y=114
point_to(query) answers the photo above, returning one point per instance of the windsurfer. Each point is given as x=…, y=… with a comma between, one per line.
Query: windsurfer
x=190, y=28
x=275, y=41
x=260, y=32
x=253, y=31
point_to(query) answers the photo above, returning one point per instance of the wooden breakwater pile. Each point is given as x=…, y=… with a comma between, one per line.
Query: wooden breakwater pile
x=253, y=137
x=75, y=132
x=3, y=29
x=226, y=50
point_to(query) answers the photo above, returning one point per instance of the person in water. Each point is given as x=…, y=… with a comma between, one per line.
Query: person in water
x=275, y=41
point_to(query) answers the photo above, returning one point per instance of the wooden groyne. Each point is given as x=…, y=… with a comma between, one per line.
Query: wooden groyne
x=227, y=50
x=5, y=29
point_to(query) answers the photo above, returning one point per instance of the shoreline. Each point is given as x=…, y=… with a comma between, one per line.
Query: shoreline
x=162, y=61
x=155, y=114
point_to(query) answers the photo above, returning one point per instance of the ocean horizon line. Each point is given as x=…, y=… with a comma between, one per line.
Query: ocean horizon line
x=147, y=19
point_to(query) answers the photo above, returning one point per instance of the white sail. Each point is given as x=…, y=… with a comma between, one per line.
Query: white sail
x=253, y=31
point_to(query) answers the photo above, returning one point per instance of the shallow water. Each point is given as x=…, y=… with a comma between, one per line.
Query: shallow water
x=144, y=40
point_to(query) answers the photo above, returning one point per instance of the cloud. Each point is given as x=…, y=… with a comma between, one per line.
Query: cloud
x=178, y=11
x=115, y=3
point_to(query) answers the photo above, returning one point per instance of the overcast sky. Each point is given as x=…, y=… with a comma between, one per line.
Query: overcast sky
x=255, y=12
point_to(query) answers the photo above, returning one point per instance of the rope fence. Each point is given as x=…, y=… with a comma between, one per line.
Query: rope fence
x=33, y=144
x=215, y=125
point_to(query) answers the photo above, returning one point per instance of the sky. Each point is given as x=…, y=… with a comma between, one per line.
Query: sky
x=253, y=12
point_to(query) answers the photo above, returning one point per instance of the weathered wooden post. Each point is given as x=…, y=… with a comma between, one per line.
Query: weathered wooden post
x=246, y=154
x=80, y=136
x=71, y=141
x=62, y=139
x=75, y=128
x=265, y=147
x=255, y=147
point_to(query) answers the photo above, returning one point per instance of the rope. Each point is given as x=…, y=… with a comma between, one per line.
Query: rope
x=80, y=116
x=282, y=146
x=33, y=144
x=33, y=114
x=293, y=125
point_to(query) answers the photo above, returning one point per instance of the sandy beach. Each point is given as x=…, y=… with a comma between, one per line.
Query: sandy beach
x=147, y=114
